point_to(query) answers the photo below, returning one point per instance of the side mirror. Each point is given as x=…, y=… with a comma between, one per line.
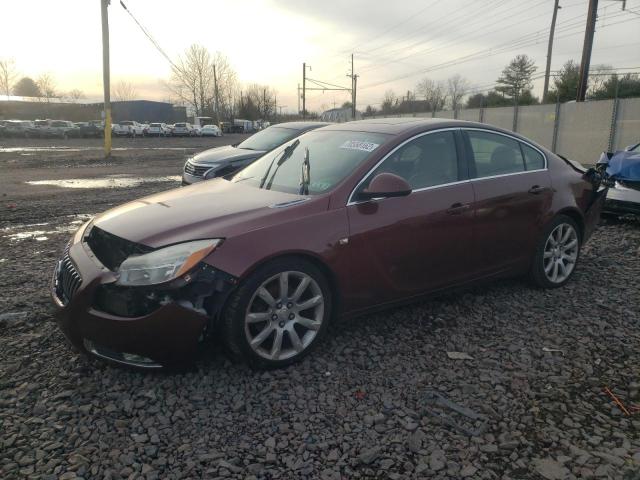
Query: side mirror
x=385, y=185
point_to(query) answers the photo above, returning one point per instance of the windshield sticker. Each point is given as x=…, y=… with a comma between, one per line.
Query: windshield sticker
x=358, y=145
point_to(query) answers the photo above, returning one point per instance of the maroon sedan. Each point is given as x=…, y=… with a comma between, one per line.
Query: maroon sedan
x=343, y=220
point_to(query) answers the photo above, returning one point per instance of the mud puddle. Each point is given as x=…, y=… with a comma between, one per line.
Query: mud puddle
x=41, y=231
x=110, y=181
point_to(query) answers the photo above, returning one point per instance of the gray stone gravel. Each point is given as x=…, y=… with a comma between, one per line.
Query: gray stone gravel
x=353, y=409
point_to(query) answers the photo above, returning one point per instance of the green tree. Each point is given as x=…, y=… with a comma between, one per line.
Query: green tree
x=516, y=77
x=621, y=87
x=565, y=85
x=26, y=87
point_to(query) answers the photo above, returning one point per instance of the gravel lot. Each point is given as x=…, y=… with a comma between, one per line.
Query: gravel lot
x=359, y=407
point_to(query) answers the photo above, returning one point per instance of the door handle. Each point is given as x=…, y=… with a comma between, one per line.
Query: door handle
x=536, y=189
x=458, y=208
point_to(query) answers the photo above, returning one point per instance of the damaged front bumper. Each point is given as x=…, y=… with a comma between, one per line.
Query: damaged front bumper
x=141, y=327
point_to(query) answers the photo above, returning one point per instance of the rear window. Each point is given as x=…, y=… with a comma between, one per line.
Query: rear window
x=155, y=125
x=268, y=138
x=126, y=123
x=533, y=159
x=180, y=124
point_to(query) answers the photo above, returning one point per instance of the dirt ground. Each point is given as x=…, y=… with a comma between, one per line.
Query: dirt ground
x=357, y=407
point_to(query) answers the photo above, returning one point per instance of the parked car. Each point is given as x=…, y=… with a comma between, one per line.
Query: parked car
x=211, y=131
x=342, y=220
x=128, y=128
x=182, y=130
x=159, y=130
x=20, y=128
x=220, y=161
x=91, y=129
x=63, y=129
x=43, y=128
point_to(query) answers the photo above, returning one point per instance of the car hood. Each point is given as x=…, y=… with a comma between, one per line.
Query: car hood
x=212, y=209
x=226, y=154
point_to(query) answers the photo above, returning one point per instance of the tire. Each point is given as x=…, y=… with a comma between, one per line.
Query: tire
x=248, y=318
x=554, y=265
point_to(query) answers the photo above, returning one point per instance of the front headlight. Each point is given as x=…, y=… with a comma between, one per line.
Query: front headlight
x=165, y=264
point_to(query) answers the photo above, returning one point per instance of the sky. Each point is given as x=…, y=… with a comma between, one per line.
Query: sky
x=395, y=44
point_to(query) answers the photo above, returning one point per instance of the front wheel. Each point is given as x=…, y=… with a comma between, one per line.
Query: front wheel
x=279, y=314
x=557, y=253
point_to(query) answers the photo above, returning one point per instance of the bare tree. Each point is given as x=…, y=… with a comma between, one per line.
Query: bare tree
x=124, y=91
x=262, y=98
x=8, y=75
x=389, y=101
x=598, y=75
x=457, y=88
x=205, y=82
x=225, y=85
x=192, y=77
x=75, y=95
x=433, y=92
x=47, y=85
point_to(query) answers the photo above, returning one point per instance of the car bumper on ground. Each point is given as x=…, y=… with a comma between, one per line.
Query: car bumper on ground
x=166, y=336
x=622, y=200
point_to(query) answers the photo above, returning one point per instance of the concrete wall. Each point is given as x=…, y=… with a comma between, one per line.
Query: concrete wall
x=580, y=131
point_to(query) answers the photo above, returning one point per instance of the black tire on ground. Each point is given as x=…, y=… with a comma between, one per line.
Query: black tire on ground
x=233, y=316
x=537, y=273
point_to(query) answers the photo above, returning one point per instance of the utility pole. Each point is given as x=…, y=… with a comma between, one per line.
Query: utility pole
x=355, y=88
x=106, y=77
x=264, y=102
x=545, y=91
x=304, y=86
x=298, y=99
x=586, y=50
x=354, y=84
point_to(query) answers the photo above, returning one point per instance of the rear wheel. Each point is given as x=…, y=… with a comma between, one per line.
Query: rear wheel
x=557, y=253
x=279, y=314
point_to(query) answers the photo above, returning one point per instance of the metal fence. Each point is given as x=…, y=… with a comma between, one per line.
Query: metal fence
x=580, y=131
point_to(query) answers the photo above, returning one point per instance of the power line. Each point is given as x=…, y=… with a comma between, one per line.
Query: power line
x=150, y=37
x=565, y=25
x=479, y=55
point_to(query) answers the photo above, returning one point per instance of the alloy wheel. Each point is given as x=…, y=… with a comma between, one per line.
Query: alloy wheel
x=560, y=253
x=284, y=315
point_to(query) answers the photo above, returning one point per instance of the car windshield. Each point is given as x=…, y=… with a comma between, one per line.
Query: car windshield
x=268, y=138
x=333, y=155
x=155, y=125
x=181, y=125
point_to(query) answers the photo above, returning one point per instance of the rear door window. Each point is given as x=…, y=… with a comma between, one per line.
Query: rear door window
x=495, y=154
x=533, y=159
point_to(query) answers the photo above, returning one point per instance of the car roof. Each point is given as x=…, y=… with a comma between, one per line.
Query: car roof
x=300, y=125
x=396, y=126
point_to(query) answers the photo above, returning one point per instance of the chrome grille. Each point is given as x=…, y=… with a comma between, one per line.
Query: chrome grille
x=68, y=279
x=196, y=170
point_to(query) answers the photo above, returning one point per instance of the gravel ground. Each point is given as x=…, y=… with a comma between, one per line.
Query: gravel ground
x=358, y=407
